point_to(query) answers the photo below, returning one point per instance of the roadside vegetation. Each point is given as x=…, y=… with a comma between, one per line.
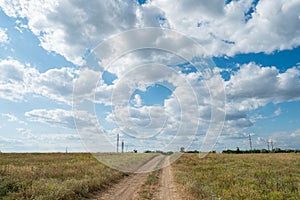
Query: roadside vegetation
x=53, y=176
x=152, y=183
x=150, y=186
x=240, y=176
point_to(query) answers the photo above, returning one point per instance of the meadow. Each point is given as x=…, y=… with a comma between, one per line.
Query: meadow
x=240, y=176
x=217, y=176
x=53, y=176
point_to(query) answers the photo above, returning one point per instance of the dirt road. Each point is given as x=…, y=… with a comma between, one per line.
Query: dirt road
x=129, y=187
x=167, y=187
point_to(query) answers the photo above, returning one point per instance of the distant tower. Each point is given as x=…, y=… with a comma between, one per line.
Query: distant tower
x=250, y=142
x=122, y=146
x=117, y=142
x=272, y=145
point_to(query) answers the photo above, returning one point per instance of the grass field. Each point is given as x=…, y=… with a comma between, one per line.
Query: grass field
x=127, y=162
x=244, y=176
x=217, y=176
x=53, y=176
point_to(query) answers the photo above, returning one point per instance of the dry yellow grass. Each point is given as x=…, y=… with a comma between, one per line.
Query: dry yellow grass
x=247, y=176
x=53, y=176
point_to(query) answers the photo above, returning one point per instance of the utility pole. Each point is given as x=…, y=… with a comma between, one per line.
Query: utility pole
x=250, y=142
x=117, y=142
x=122, y=146
x=272, y=145
x=268, y=145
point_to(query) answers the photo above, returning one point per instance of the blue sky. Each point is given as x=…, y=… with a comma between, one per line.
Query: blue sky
x=148, y=95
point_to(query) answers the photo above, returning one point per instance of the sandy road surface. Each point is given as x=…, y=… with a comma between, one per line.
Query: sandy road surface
x=167, y=187
x=128, y=187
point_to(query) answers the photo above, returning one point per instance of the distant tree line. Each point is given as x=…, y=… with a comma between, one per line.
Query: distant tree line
x=158, y=151
x=275, y=150
x=237, y=151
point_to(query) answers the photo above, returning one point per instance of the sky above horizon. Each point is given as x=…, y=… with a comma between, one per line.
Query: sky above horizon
x=58, y=88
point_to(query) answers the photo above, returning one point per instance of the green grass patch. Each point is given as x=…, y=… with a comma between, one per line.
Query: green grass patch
x=148, y=188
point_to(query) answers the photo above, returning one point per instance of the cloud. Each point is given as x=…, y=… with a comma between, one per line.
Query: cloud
x=61, y=118
x=137, y=101
x=277, y=112
x=12, y=82
x=57, y=117
x=271, y=17
x=144, y=121
x=220, y=28
x=295, y=133
x=50, y=137
x=41, y=142
x=285, y=139
x=191, y=10
x=248, y=89
x=3, y=36
x=17, y=80
x=20, y=26
x=50, y=22
x=234, y=115
x=13, y=118
x=6, y=142
x=56, y=84
x=85, y=85
x=26, y=133
x=254, y=86
x=225, y=29
x=178, y=117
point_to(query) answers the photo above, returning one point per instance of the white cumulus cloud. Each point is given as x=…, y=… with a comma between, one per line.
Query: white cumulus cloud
x=3, y=36
x=13, y=118
x=17, y=80
x=70, y=27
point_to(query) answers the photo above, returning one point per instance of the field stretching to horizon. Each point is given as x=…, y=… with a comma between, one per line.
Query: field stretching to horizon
x=240, y=176
x=217, y=176
x=53, y=175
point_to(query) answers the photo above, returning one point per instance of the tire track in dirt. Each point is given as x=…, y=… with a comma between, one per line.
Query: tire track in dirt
x=167, y=186
x=128, y=187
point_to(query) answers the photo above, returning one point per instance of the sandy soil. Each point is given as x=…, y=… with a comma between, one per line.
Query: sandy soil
x=167, y=186
x=128, y=187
